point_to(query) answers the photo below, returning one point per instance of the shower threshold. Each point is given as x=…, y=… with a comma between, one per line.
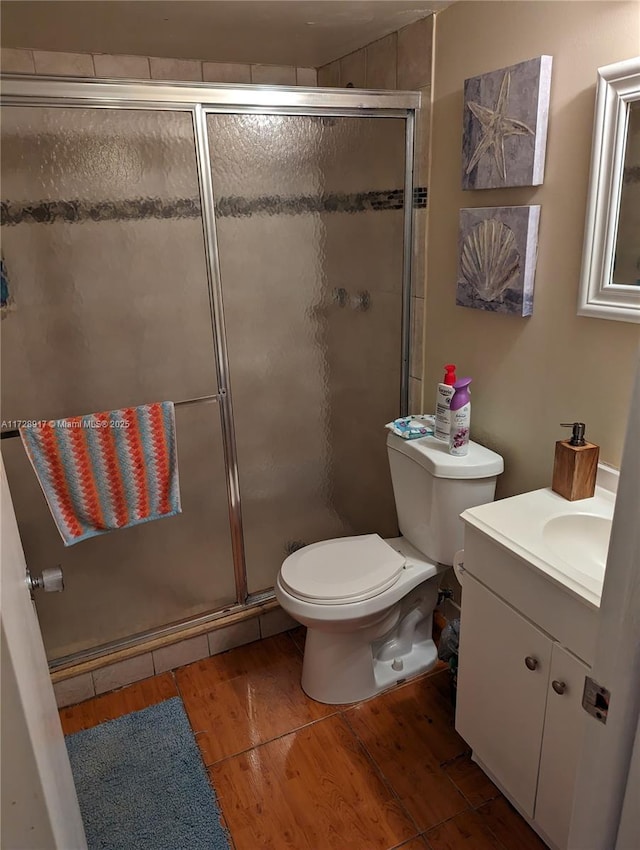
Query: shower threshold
x=88, y=660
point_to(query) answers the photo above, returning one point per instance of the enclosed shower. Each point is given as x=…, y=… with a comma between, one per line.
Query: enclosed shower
x=241, y=251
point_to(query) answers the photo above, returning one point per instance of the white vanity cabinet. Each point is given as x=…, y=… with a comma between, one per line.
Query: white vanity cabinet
x=519, y=708
x=534, y=566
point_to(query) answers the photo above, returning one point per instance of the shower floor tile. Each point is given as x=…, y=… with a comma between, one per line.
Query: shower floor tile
x=389, y=773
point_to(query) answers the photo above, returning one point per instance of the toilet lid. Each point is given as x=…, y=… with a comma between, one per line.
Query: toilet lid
x=349, y=569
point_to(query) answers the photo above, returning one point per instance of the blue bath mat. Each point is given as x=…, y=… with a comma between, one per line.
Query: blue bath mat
x=142, y=785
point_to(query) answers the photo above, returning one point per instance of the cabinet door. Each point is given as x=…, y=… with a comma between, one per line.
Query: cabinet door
x=563, y=729
x=500, y=701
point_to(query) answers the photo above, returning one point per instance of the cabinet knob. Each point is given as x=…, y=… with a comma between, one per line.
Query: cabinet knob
x=531, y=662
x=559, y=687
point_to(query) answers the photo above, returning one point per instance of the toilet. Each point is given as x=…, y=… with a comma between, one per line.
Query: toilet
x=368, y=603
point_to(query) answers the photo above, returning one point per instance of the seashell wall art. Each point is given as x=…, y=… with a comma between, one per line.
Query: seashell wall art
x=497, y=251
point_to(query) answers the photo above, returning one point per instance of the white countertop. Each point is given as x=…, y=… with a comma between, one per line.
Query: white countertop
x=518, y=524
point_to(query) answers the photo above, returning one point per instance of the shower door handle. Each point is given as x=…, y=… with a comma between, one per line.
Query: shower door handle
x=51, y=581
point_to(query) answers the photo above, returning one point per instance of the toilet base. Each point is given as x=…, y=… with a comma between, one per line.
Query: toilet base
x=340, y=668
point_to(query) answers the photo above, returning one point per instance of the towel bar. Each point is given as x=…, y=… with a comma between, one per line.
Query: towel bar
x=9, y=433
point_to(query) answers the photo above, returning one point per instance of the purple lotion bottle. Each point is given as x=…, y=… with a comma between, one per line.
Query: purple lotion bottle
x=460, y=418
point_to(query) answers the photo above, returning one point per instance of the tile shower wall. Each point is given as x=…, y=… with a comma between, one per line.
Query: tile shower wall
x=19, y=61
x=400, y=61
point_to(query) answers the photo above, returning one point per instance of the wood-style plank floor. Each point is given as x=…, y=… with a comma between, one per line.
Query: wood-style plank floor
x=292, y=774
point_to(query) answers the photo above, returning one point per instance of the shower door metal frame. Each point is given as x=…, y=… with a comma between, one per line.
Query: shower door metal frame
x=201, y=99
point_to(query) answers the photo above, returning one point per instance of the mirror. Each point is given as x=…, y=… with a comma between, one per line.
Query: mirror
x=610, y=282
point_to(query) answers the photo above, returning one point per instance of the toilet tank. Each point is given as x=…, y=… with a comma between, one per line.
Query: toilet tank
x=432, y=488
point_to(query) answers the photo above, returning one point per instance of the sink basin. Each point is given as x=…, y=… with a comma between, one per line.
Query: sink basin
x=568, y=542
x=581, y=540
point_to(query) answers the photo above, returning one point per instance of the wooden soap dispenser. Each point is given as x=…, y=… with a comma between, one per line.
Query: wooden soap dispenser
x=575, y=465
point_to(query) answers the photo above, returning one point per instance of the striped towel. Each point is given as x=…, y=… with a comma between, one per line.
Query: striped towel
x=106, y=470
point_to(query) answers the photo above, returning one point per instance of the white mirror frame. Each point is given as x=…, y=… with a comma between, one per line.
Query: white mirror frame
x=618, y=85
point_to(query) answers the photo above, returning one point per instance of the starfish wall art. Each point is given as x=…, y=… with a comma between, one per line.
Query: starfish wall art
x=505, y=126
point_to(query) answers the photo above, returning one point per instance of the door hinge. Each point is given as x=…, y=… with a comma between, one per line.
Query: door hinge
x=595, y=699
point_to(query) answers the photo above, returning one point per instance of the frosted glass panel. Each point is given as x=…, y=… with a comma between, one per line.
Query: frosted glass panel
x=109, y=307
x=103, y=247
x=137, y=578
x=310, y=235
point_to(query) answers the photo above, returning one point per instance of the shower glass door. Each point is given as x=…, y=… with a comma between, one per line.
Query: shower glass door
x=109, y=306
x=309, y=220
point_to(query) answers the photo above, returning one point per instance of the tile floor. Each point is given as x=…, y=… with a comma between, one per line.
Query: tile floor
x=292, y=774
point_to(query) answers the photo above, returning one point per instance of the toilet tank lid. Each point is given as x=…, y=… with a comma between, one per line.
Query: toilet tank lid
x=433, y=455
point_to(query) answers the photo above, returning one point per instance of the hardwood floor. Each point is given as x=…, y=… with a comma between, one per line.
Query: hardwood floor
x=390, y=773
x=243, y=698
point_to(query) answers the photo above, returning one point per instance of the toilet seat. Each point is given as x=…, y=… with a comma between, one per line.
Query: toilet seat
x=348, y=569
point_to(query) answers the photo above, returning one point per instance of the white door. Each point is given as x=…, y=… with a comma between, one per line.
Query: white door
x=606, y=765
x=563, y=728
x=502, y=690
x=39, y=804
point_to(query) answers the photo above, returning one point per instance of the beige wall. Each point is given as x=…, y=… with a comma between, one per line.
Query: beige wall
x=529, y=374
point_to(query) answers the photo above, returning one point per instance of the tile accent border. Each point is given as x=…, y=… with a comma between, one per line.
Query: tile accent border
x=75, y=211
x=138, y=209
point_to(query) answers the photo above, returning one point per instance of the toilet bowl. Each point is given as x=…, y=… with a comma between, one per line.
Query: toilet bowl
x=368, y=603
x=361, y=644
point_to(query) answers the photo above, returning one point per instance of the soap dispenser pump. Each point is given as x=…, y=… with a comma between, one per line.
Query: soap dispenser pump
x=575, y=465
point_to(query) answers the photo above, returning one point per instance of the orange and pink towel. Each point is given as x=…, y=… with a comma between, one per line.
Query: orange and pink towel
x=106, y=470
